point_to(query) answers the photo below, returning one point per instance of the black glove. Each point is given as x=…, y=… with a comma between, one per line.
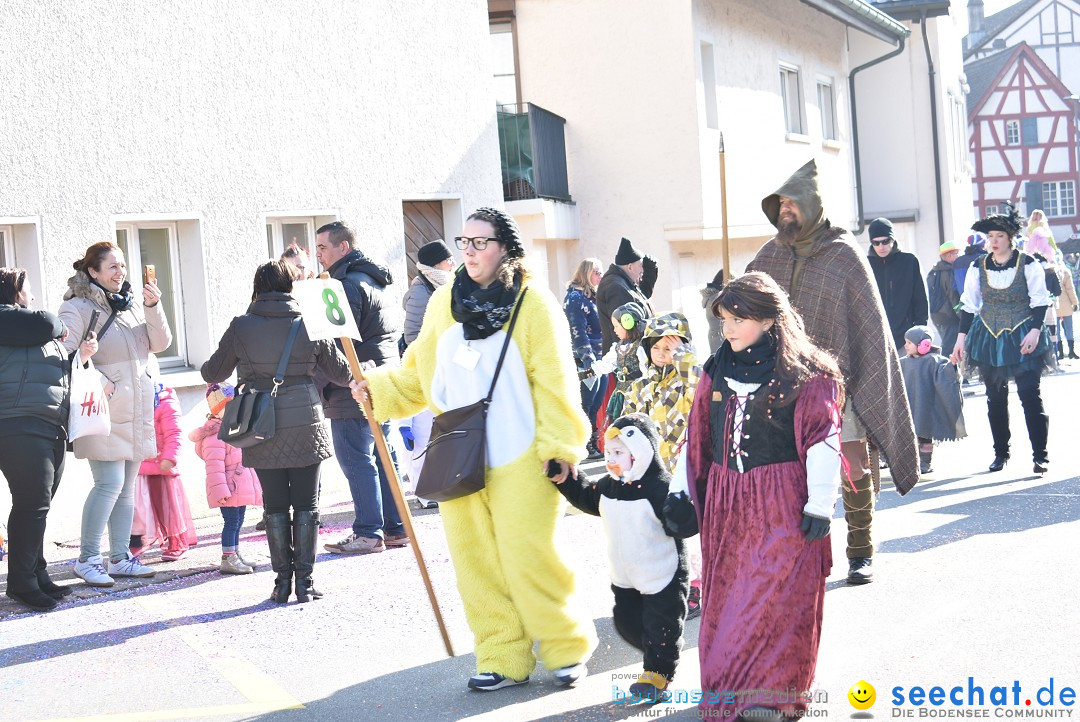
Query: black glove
x=680, y=519
x=814, y=527
x=649, y=272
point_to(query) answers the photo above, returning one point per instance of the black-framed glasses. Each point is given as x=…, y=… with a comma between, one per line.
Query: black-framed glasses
x=479, y=243
x=886, y=242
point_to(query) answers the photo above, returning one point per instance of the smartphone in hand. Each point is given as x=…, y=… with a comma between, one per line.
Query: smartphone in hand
x=149, y=274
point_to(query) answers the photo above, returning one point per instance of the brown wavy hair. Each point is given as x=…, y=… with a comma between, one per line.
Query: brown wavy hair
x=12, y=281
x=95, y=255
x=758, y=297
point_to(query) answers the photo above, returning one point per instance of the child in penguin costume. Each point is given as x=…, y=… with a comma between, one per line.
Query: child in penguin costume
x=645, y=529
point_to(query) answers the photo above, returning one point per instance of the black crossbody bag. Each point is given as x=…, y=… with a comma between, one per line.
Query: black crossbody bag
x=457, y=453
x=249, y=418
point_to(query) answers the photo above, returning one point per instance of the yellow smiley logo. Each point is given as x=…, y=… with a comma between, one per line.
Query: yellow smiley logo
x=862, y=695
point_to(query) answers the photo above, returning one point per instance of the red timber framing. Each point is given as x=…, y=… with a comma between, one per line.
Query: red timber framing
x=1024, y=89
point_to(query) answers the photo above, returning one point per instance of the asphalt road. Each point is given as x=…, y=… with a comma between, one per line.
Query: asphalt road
x=977, y=576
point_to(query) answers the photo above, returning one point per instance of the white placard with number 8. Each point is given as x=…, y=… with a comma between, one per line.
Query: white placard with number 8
x=325, y=309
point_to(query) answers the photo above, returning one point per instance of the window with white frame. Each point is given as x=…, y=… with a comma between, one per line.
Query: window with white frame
x=1012, y=132
x=708, y=81
x=155, y=244
x=282, y=232
x=791, y=93
x=992, y=210
x=1059, y=199
x=7, y=247
x=827, y=104
x=502, y=62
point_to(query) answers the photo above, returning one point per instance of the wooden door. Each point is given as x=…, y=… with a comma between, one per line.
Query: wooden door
x=423, y=224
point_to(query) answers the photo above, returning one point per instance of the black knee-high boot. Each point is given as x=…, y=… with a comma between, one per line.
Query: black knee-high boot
x=1072, y=351
x=25, y=532
x=306, y=540
x=279, y=539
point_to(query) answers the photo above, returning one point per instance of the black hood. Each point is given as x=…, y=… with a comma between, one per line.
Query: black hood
x=357, y=262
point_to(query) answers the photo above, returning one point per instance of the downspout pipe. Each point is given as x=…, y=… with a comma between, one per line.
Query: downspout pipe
x=860, y=224
x=934, y=131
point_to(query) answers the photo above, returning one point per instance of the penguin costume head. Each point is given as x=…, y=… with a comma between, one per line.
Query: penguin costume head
x=632, y=448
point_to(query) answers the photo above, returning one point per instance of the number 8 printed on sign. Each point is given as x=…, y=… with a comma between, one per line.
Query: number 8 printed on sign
x=324, y=309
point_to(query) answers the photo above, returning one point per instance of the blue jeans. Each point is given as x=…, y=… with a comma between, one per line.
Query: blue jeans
x=230, y=531
x=1066, y=328
x=373, y=502
x=592, y=398
x=111, y=502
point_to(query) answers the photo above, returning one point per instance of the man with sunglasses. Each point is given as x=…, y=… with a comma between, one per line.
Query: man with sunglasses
x=899, y=281
x=629, y=280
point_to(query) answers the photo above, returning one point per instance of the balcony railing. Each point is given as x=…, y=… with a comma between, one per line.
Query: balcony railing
x=533, y=150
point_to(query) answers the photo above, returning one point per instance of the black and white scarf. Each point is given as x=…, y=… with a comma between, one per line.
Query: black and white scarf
x=118, y=302
x=482, y=311
x=753, y=365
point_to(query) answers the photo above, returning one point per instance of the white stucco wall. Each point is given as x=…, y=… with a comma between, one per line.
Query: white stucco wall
x=896, y=136
x=642, y=161
x=223, y=113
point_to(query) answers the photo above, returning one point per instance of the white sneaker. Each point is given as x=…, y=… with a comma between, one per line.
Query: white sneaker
x=354, y=544
x=129, y=567
x=233, y=564
x=92, y=571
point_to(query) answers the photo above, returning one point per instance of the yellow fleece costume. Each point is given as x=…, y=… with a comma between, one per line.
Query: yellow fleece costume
x=513, y=583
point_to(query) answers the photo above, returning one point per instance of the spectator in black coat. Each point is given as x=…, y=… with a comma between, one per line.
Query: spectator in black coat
x=377, y=523
x=34, y=397
x=624, y=282
x=899, y=281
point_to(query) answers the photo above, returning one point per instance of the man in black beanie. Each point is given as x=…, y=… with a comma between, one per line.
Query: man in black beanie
x=623, y=283
x=899, y=281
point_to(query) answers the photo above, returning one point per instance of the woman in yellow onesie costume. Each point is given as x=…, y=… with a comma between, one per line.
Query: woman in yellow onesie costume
x=515, y=587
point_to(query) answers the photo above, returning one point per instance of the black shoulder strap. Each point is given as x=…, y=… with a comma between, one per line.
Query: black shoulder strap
x=108, y=322
x=279, y=375
x=506, y=344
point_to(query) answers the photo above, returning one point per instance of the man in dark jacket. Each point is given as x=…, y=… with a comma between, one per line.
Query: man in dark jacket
x=620, y=284
x=944, y=298
x=976, y=249
x=377, y=523
x=899, y=281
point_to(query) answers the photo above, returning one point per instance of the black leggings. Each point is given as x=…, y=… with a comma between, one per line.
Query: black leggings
x=654, y=622
x=33, y=466
x=297, y=487
x=1038, y=423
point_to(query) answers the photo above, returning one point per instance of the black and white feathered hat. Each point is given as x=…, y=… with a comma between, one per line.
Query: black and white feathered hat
x=1010, y=222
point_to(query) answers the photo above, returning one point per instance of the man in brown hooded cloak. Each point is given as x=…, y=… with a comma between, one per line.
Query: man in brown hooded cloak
x=830, y=284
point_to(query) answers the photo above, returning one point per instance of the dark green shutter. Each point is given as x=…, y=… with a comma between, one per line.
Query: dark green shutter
x=1033, y=191
x=1029, y=131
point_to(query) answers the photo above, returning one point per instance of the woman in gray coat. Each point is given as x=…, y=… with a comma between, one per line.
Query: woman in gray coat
x=288, y=463
x=127, y=332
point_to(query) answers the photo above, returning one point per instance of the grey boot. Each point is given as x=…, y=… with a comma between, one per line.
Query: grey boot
x=279, y=538
x=306, y=537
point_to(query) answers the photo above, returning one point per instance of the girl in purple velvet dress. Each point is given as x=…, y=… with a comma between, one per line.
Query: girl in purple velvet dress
x=763, y=469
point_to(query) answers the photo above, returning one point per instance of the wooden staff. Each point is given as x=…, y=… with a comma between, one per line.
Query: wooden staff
x=725, y=241
x=395, y=486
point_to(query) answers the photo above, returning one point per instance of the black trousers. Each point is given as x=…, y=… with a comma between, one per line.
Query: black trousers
x=654, y=622
x=1038, y=423
x=32, y=466
x=297, y=488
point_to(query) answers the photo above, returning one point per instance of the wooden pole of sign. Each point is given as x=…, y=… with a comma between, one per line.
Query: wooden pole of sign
x=725, y=241
x=395, y=487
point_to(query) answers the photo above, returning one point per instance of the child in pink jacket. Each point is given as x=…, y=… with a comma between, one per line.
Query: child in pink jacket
x=162, y=513
x=230, y=486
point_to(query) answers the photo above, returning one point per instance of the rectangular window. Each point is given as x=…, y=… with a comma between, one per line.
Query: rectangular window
x=827, y=104
x=708, y=80
x=1029, y=131
x=1059, y=199
x=992, y=210
x=156, y=244
x=7, y=247
x=502, y=62
x=1012, y=132
x=791, y=93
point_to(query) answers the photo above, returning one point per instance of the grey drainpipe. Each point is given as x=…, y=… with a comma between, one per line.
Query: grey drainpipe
x=860, y=224
x=934, y=130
